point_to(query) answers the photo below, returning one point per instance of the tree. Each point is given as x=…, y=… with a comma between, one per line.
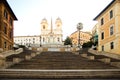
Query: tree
x=68, y=41
x=88, y=44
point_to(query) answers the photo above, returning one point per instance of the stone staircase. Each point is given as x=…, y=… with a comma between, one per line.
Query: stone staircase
x=60, y=74
x=59, y=65
x=16, y=58
x=101, y=57
x=58, y=60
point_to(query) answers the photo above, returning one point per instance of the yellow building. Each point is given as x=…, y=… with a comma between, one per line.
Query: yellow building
x=84, y=37
x=109, y=28
x=6, y=26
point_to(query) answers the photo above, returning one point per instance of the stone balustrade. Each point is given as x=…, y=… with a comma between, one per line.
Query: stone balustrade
x=105, y=60
x=11, y=52
x=3, y=56
x=109, y=57
x=117, y=64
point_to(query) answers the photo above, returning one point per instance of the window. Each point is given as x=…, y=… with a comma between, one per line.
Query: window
x=43, y=26
x=58, y=25
x=5, y=14
x=102, y=21
x=5, y=44
x=58, y=39
x=111, y=30
x=33, y=42
x=102, y=35
x=11, y=34
x=33, y=38
x=43, y=39
x=102, y=48
x=10, y=46
x=5, y=28
x=111, y=14
x=11, y=21
x=112, y=45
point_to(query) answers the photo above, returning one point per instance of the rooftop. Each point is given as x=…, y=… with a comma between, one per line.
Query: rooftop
x=104, y=9
x=9, y=8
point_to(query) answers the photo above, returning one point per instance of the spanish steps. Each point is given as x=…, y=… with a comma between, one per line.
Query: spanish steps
x=59, y=65
x=58, y=60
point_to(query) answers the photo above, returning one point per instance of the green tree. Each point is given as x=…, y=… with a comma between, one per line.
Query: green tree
x=88, y=44
x=68, y=41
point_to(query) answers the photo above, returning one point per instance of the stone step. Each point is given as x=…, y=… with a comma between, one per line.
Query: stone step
x=63, y=74
x=58, y=60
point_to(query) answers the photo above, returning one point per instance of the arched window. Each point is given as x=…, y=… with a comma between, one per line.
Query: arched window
x=43, y=26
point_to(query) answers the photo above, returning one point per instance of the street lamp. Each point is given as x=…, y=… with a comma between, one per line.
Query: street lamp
x=79, y=27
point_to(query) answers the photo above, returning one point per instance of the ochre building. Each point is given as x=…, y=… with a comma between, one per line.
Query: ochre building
x=84, y=37
x=109, y=28
x=6, y=26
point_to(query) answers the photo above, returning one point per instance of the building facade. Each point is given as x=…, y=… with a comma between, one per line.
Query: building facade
x=84, y=37
x=109, y=28
x=51, y=35
x=6, y=26
x=28, y=41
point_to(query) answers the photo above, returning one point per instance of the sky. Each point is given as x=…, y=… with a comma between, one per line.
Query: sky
x=30, y=13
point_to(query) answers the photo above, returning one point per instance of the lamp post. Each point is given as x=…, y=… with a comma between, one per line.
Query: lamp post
x=79, y=27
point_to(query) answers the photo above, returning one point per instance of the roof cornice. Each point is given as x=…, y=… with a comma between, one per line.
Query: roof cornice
x=7, y=5
x=104, y=9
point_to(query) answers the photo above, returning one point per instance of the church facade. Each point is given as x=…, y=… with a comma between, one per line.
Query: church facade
x=51, y=35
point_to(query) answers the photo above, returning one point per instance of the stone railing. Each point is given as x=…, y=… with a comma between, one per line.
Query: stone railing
x=3, y=56
x=111, y=58
x=111, y=55
x=11, y=52
x=18, y=51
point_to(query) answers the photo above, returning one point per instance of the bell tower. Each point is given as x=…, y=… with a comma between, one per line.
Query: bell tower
x=44, y=26
x=58, y=23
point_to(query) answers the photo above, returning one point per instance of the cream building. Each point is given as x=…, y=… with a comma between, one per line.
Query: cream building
x=51, y=35
x=28, y=41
